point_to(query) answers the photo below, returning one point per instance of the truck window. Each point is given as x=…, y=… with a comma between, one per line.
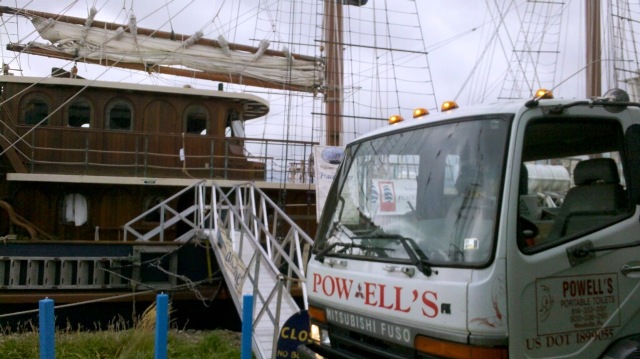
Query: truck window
x=572, y=181
x=431, y=190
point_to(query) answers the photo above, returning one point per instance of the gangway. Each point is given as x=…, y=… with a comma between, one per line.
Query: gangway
x=259, y=249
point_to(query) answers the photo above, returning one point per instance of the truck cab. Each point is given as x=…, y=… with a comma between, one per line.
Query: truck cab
x=508, y=230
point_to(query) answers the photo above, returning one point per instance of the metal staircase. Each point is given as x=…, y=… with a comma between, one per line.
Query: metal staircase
x=243, y=227
x=258, y=260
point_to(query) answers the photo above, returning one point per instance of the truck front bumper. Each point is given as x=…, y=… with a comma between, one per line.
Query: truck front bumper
x=314, y=351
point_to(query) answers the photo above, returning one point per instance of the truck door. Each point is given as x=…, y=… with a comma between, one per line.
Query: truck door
x=569, y=195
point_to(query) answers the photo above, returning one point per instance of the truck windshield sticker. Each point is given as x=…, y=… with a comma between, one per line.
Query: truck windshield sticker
x=374, y=327
x=393, y=197
x=577, y=303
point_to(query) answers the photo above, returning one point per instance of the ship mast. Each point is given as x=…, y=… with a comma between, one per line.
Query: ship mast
x=334, y=71
x=593, y=44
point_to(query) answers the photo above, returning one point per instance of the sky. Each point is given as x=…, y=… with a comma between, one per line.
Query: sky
x=452, y=29
x=455, y=33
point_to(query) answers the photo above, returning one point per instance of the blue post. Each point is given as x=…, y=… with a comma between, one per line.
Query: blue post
x=247, y=326
x=47, y=329
x=162, y=326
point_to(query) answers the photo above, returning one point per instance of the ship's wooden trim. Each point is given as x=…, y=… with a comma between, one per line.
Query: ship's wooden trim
x=254, y=106
x=146, y=181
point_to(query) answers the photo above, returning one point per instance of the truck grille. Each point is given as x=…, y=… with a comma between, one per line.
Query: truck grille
x=364, y=346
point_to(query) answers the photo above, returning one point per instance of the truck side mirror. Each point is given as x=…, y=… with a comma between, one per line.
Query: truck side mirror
x=632, y=159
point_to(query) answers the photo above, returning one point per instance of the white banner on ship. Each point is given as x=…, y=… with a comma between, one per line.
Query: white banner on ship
x=326, y=162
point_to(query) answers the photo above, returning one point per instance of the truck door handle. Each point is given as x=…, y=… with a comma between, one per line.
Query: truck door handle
x=631, y=269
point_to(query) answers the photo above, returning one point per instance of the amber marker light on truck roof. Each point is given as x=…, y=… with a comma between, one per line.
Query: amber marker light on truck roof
x=395, y=119
x=445, y=349
x=449, y=105
x=419, y=112
x=544, y=94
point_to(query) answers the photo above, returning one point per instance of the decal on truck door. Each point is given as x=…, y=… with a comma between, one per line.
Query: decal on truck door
x=571, y=310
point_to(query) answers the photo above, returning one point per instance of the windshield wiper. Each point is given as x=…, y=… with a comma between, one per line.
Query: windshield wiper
x=421, y=261
x=345, y=246
x=416, y=255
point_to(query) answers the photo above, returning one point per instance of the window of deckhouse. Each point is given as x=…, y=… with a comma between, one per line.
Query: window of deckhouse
x=119, y=115
x=79, y=114
x=196, y=119
x=35, y=111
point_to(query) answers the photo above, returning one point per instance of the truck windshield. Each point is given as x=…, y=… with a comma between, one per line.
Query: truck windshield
x=431, y=193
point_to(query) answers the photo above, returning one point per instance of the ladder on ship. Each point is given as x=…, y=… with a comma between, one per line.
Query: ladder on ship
x=255, y=255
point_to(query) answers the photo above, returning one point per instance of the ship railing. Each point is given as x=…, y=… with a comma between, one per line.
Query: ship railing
x=90, y=151
x=283, y=240
x=169, y=217
x=271, y=251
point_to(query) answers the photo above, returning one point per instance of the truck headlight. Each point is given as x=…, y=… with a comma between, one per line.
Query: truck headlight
x=320, y=335
x=319, y=332
x=315, y=333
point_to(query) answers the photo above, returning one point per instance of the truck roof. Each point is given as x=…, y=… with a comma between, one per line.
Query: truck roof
x=503, y=107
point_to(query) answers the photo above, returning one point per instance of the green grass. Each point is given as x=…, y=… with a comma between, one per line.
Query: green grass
x=120, y=340
x=130, y=343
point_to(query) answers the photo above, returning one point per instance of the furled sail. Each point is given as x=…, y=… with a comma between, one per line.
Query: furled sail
x=120, y=45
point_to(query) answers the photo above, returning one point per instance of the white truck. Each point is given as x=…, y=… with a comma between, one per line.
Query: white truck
x=434, y=243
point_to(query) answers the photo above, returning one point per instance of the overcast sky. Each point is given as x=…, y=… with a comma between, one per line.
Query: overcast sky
x=456, y=34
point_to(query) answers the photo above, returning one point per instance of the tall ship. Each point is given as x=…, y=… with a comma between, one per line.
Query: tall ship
x=100, y=174
x=100, y=177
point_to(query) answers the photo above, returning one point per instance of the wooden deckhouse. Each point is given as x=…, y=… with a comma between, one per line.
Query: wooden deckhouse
x=61, y=130
x=82, y=158
x=76, y=126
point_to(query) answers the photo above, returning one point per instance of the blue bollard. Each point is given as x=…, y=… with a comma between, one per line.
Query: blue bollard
x=162, y=326
x=247, y=326
x=47, y=329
